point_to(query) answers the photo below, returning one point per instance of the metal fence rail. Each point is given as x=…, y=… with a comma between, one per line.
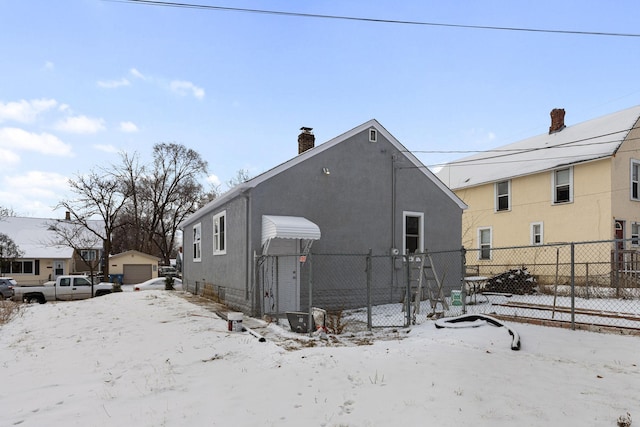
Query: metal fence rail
x=579, y=285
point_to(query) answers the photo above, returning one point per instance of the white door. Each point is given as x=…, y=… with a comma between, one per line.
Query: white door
x=58, y=269
x=288, y=267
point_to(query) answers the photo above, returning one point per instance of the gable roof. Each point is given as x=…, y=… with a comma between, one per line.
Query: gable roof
x=587, y=141
x=371, y=124
x=133, y=252
x=33, y=236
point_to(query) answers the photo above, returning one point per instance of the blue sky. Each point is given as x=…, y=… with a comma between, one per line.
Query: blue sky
x=82, y=80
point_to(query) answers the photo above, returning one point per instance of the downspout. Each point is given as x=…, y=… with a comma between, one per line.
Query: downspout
x=393, y=200
x=249, y=258
x=394, y=280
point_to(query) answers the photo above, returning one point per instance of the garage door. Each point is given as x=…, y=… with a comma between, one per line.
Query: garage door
x=136, y=273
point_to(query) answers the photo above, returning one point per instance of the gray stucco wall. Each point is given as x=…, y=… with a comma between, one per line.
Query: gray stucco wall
x=353, y=206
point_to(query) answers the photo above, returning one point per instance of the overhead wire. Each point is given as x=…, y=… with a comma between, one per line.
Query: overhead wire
x=371, y=20
x=505, y=153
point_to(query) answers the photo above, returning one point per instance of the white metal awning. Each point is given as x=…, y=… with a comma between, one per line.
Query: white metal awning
x=287, y=227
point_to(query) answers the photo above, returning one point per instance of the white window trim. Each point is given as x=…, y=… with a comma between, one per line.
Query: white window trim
x=373, y=135
x=197, y=227
x=532, y=235
x=480, y=230
x=635, y=241
x=405, y=214
x=632, y=164
x=553, y=186
x=216, y=237
x=495, y=198
x=22, y=262
x=88, y=255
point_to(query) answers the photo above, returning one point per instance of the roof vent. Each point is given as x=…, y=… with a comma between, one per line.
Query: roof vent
x=557, y=120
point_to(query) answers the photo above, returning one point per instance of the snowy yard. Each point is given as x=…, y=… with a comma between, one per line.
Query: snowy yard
x=157, y=358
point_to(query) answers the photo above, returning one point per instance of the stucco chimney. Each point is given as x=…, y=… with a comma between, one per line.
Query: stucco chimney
x=557, y=120
x=306, y=140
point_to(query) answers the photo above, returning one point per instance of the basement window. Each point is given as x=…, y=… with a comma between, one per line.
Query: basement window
x=537, y=233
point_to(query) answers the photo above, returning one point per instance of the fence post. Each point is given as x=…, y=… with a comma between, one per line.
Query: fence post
x=573, y=286
x=408, y=297
x=310, y=315
x=369, y=273
x=463, y=271
x=277, y=291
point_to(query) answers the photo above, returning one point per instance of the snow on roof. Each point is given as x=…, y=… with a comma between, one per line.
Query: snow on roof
x=594, y=139
x=34, y=239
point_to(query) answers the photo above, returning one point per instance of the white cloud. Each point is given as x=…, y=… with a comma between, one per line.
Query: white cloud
x=128, y=127
x=48, y=65
x=25, y=111
x=213, y=180
x=185, y=88
x=37, y=183
x=34, y=193
x=112, y=84
x=44, y=143
x=107, y=148
x=137, y=74
x=80, y=124
x=9, y=157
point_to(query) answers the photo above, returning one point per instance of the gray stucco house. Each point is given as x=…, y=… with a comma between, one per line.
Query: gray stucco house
x=360, y=191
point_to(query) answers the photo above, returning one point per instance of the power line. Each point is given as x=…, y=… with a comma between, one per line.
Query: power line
x=371, y=20
x=512, y=152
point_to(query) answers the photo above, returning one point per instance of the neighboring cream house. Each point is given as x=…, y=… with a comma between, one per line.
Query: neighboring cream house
x=575, y=183
x=42, y=259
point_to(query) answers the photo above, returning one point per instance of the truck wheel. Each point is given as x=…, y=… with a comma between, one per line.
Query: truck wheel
x=101, y=293
x=32, y=299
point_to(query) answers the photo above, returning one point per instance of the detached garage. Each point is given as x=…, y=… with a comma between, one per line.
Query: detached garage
x=133, y=266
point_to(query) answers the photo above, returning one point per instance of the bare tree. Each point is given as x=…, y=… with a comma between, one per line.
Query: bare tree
x=9, y=250
x=99, y=194
x=134, y=227
x=242, y=175
x=83, y=242
x=173, y=189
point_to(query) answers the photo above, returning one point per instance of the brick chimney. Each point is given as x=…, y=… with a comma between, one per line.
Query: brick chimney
x=67, y=216
x=557, y=120
x=306, y=140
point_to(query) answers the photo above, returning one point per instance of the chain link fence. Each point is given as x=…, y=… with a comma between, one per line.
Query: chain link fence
x=362, y=291
x=585, y=285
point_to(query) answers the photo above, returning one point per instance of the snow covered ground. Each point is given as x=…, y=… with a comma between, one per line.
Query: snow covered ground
x=159, y=358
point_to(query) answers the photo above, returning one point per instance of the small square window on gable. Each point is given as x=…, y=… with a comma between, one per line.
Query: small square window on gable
x=373, y=135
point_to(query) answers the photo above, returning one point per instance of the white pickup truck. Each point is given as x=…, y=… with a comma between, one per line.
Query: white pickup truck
x=64, y=288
